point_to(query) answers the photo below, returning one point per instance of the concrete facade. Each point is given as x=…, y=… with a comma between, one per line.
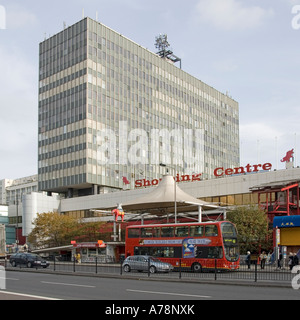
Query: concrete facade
x=218, y=187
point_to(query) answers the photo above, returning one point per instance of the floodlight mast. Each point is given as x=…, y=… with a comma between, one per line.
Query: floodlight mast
x=162, y=44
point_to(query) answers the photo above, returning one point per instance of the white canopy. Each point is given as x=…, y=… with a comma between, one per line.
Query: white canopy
x=162, y=200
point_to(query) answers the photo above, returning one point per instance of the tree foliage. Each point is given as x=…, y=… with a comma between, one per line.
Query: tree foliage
x=252, y=226
x=53, y=230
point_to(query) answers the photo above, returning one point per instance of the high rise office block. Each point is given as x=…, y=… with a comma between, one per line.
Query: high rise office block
x=111, y=111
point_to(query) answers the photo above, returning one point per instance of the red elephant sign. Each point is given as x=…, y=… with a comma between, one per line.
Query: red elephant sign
x=117, y=213
x=288, y=156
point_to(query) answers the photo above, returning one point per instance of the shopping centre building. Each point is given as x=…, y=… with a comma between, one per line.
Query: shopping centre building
x=275, y=191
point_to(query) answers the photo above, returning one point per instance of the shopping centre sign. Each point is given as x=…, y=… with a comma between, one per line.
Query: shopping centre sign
x=178, y=178
x=218, y=172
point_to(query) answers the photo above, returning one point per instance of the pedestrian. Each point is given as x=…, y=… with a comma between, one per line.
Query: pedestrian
x=279, y=261
x=291, y=260
x=296, y=259
x=248, y=259
x=263, y=258
x=269, y=257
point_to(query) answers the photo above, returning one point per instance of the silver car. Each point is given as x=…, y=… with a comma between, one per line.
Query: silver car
x=146, y=263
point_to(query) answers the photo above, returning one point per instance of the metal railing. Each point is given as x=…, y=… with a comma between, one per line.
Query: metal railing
x=253, y=273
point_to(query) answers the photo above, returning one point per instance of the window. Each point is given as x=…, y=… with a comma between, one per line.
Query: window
x=211, y=231
x=146, y=232
x=156, y=232
x=133, y=233
x=196, y=231
x=208, y=252
x=181, y=231
x=228, y=230
x=167, y=232
x=160, y=252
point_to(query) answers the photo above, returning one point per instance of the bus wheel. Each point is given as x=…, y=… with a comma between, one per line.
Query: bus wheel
x=196, y=267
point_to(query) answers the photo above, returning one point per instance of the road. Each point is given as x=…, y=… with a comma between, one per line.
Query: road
x=31, y=285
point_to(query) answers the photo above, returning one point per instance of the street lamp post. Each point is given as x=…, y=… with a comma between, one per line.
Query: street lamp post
x=175, y=203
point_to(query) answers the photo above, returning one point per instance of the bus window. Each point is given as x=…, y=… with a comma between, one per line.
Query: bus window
x=164, y=252
x=167, y=232
x=215, y=253
x=196, y=231
x=156, y=232
x=146, y=232
x=133, y=233
x=228, y=230
x=181, y=231
x=208, y=252
x=211, y=230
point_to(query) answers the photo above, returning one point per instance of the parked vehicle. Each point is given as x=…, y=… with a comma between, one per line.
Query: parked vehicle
x=145, y=263
x=28, y=259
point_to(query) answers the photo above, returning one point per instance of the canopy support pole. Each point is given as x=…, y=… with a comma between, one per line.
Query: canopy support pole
x=199, y=214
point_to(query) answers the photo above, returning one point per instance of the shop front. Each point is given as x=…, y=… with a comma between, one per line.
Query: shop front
x=288, y=232
x=89, y=251
x=104, y=252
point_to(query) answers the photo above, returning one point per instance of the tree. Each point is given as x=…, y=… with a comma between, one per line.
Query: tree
x=52, y=230
x=253, y=228
x=89, y=231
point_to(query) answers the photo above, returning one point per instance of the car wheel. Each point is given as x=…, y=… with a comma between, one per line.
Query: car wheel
x=29, y=264
x=127, y=268
x=152, y=269
x=196, y=267
x=13, y=263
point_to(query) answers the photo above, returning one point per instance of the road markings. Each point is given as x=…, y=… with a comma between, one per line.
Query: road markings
x=5, y=278
x=26, y=295
x=68, y=284
x=170, y=293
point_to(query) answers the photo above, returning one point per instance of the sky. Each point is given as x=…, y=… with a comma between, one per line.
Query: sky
x=249, y=49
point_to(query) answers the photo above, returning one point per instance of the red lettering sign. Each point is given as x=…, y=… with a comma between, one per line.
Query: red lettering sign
x=219, y=172
x=147, y=183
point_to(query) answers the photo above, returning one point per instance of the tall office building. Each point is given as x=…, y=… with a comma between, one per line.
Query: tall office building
x=110, y=111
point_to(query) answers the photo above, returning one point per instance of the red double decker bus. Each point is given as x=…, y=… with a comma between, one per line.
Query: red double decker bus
x=195, y=246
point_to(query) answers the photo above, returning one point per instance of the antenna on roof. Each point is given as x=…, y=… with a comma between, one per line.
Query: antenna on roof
x=162, y=44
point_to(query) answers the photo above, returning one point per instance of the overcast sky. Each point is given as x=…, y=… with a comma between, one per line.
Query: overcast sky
x=248, y=48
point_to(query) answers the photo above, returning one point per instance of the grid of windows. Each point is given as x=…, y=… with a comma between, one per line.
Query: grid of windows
x=91, y=78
